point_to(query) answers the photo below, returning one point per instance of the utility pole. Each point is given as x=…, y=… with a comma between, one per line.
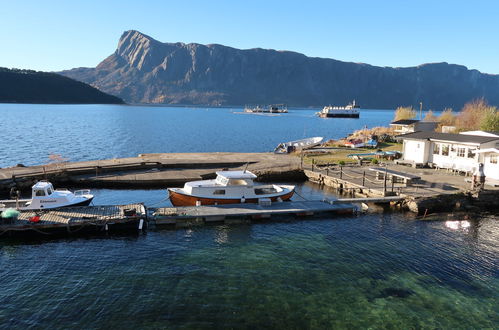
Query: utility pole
x=420, y=110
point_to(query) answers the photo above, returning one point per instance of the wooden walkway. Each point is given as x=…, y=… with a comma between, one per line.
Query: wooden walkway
x=201, y=214
x=71, y=217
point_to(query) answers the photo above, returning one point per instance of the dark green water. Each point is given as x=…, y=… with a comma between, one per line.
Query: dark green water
x=372, y=271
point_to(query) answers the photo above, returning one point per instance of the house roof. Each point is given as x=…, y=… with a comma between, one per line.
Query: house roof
x=404, y=122
x=450, y=137
x=481, y=133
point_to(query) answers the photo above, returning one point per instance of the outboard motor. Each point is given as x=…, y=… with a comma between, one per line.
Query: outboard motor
x=478, y=180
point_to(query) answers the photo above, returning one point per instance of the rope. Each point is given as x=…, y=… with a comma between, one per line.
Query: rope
x=296, y=193
x=163, y=200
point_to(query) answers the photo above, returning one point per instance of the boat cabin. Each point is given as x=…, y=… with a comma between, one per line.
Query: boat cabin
x=42, y=189
x=235, y=178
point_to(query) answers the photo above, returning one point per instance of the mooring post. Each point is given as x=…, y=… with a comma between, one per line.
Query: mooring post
x=341, y=172
x=313, y=162
x=384, y=183
x=327, y=171
x=364, y=179
x=393, y=183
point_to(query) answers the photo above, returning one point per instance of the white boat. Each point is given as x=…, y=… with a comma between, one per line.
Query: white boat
x=44, y=196
x=229, y=187
x=272, y=108
x=290, y=146
x=348, y=111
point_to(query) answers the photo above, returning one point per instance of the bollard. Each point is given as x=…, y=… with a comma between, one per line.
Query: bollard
x=364, y=179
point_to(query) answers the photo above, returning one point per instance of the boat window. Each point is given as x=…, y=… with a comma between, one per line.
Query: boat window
x=264, y=191
x=50, y=191
x=39, y=193
x=238, y=182
x=219, y=192
x=222, y=180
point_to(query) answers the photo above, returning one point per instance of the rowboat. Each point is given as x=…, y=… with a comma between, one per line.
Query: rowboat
x=290, y=146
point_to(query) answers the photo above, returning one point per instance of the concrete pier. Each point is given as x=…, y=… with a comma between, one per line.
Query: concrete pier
x=151, y=170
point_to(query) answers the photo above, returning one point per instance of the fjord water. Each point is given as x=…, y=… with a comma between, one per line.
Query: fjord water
x=32, y=132
x=379, y=270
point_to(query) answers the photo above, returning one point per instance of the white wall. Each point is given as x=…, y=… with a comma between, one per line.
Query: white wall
x=416, y=151
x=491, y=170
x=452, y=159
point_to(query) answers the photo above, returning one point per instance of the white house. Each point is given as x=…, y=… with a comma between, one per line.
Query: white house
x=412, y=125
x=460, y=152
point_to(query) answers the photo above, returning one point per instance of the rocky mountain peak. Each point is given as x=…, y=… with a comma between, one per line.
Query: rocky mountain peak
x=144, y=70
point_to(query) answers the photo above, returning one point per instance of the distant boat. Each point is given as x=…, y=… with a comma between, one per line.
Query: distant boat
x=272, y=108
x=291, y=146
x=348, y=111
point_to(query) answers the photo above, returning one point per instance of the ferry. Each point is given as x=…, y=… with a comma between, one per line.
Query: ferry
x=348, y=111
x=43, y=196
x=273, y=108
x=229, y=187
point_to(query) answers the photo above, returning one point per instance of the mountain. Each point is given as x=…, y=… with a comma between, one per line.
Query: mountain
x=27, y=86
x=144, y=70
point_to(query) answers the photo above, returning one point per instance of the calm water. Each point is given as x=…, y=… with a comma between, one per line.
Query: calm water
x=30, y=133
x=380, y=270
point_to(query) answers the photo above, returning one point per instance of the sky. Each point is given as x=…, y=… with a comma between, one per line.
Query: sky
x=53, y=35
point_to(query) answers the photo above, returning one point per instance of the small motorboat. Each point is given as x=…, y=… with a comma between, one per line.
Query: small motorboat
x=291, y=146
x=229, y=187
x=44, y=196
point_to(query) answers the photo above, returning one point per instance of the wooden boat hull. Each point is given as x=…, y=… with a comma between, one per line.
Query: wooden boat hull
x=179, y=199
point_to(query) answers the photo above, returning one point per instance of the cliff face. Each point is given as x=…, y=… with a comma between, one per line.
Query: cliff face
x=26, y=86
x=143, y=70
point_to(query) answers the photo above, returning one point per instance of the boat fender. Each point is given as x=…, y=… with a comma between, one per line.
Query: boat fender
x=243, y=200
x=34, y=219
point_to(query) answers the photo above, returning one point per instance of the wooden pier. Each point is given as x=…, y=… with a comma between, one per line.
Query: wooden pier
x=71, y=220
x=196, y=215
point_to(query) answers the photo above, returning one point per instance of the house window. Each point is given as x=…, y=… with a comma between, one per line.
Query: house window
x=445, y=150
x=219, y=192
x=471, y=153
x=453, y=149
x=493, y=159
x=461, y=152
x=436, y=149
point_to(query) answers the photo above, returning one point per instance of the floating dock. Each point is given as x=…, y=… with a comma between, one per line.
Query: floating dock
x=197, y=215
x=72, y=220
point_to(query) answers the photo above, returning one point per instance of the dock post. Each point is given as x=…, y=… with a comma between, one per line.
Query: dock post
x=327, y=171
x=384, y=183
x=301, y=160
x=393, y=183
x=341, y=172
x=313, y=162
x=364, y=179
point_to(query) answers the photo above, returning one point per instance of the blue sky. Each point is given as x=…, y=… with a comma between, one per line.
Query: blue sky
x=56, y=35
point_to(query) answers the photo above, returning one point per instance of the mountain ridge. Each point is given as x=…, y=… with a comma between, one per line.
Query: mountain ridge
x=29, y=86
x=144, y=70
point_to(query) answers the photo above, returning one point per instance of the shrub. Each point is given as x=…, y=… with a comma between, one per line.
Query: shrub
x=341, y=162
x=374, y=161
x=404, y=113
